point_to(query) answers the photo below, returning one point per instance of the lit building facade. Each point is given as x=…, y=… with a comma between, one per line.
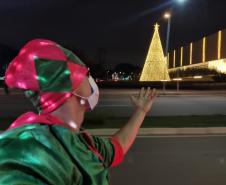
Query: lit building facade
x=205, y=57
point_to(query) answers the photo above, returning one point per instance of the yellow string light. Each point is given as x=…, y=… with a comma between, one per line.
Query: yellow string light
x=168, y=60
x=181, y=56
x=174, y=58
x=191, y=52
x=155, y=67
x=219, y=45
x=204, y=49
x=218, y=64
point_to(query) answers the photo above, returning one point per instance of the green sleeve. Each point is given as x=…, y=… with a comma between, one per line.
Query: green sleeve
x=105, y=148
x=31, y=155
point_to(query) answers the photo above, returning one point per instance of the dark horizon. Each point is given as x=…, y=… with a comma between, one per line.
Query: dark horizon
x=114, y=32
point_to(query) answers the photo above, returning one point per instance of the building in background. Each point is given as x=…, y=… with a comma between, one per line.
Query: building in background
x=205, y=58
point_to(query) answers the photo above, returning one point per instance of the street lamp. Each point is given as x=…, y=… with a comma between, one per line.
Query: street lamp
x=167, y=16
x=180, y=1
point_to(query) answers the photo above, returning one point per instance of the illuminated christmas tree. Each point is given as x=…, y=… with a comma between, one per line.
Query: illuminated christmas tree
x=155, y=67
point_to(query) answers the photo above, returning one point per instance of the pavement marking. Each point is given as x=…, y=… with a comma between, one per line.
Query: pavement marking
x=178, y=132
x=114, y=106
x=170, y=136
x=180, y=136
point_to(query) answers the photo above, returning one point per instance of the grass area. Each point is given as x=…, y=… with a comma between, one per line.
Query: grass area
x=159, y=122
x=185, y=85
x=149, y=122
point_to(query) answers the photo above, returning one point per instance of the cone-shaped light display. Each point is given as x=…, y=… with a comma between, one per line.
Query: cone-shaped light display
x=155, y=67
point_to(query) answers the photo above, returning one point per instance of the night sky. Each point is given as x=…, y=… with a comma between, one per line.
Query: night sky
x=119, y=31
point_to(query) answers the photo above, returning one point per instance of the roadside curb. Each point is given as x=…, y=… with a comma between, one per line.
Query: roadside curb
x=166, y=131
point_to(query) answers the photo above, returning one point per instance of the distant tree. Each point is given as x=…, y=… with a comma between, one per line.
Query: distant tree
x=127, y=68
x=219, y=78
x=7, y=53
x=95, y=68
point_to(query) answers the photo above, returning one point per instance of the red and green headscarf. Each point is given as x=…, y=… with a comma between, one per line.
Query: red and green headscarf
x=47, y=72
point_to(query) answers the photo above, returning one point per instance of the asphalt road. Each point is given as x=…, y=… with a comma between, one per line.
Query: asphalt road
x=164, y=160
x=167, y=105
x=199, y=160
x=116, y=103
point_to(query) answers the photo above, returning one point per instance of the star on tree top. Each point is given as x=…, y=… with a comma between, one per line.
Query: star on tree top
x=156, y=26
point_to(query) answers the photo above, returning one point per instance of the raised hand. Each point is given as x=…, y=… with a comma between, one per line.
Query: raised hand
x=144, y=100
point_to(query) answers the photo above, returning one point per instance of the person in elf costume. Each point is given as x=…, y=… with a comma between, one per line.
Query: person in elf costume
x=50, y=148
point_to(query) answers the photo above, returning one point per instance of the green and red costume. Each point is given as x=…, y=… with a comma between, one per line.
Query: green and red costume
x=40, y=149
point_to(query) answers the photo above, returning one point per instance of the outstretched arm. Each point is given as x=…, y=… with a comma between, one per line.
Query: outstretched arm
x=142, y=105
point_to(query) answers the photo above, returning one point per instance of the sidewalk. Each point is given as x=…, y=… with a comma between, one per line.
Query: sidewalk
x=166, y=131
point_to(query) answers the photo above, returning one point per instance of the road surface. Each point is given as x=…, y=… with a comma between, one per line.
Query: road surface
x=116, y=103
x=162, y=160
x=187, y=160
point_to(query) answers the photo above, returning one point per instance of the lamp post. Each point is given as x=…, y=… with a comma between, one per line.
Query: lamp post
x=167, y=16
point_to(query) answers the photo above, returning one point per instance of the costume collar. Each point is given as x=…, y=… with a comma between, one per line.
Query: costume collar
x=32, y=118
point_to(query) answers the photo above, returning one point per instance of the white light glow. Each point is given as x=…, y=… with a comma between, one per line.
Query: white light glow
x=197, y=77
x=218, y=65
x=22, y=51
x=82, y=102
x=73, y=125
x=42, y=43
x=164, y=80
x=32, y=56
x=21, y=85
x=167, y=15
x=181, y=1
x=177, y=79
x=30, y=118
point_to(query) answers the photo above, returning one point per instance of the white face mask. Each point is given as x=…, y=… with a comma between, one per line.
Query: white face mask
x=93, y=98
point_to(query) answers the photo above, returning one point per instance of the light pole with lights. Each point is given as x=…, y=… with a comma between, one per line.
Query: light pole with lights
x=167, y=16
